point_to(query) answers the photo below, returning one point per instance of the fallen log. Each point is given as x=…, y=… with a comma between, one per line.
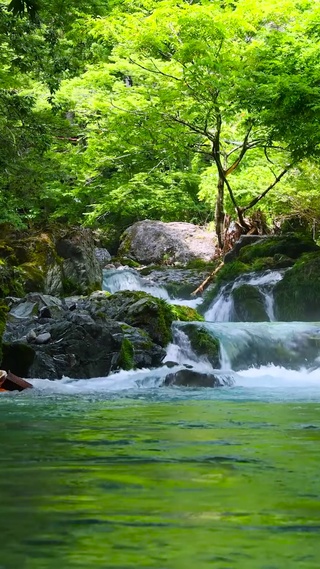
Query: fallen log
x=205, y=283
x=11, y=382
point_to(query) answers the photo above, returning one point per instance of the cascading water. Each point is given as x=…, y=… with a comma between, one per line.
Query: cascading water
x=222, y=309
x=274, y=356
x=115, y=280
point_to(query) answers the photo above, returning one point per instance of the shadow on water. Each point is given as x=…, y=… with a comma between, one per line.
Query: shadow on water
x=128, y=483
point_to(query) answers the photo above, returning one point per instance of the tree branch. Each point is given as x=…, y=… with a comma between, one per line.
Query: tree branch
x=156, y=70
x=258, y=198
x=241, y=155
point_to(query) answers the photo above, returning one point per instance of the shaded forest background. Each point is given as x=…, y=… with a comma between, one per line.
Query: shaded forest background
x=121, y=110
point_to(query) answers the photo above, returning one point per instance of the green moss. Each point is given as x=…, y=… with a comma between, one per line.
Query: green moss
x=72, y=287
x=126, y=261
x=249, y=304
x=292, y=245
x=203, y=344
x=230, y=271
x=297, y=295
x=147, y=270
x=126, y=356
x=11, y=281
x=185, y=314
x=32, y=277
x=154, y=315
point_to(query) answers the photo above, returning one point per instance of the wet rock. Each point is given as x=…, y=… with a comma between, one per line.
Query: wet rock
x=103, y=256
x=81, y=269
x=43, y=338
x=192, y=378
x=297, y=297
x=156, y=242
x=76, y=344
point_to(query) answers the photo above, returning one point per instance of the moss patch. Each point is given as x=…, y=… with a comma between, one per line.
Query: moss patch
x=297, y=295
x=126, y=360
x=249, y=304
x=203, y=344
x=291, y=245
x=185, y=313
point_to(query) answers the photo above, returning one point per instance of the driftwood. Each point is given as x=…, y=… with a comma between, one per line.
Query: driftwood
x=11, y=382
x=205, y=283
x=232, y=232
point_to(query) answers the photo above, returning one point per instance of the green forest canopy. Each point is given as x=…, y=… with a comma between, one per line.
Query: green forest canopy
x=111, y=112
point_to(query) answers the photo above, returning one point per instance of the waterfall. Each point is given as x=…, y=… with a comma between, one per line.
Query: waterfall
x=115, y=280
x=244, y=345
x=222, y=309
x=281, y=357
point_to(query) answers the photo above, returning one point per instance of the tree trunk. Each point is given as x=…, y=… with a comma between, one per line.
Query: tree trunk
x=219, y=213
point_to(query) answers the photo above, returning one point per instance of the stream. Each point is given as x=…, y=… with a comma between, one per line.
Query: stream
x=121, y=473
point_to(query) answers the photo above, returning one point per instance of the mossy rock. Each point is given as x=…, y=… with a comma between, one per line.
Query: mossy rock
x=11, y=281
x=297, y=295
x=154, y=315
x=126, y=360
x=185, y=313
x=32, y=277
x=126, y=261
x=230, y=271
x=249, y=304
x=291, y=245
x=203, y=344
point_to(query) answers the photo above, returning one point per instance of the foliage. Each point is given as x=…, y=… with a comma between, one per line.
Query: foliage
x=115, y=112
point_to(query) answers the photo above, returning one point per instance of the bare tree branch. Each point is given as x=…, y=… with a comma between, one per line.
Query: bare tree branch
x=258, y=198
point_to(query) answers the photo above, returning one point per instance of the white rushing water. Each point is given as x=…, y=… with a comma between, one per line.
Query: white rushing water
x=222, y=309
x=115, y=280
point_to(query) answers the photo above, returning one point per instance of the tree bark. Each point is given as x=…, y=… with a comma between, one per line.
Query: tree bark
x=219, y=212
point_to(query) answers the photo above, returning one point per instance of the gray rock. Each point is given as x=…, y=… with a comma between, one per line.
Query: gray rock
x=31, y=336
x=103, y=256
x=53, y=281
x=43, y=338
x=81, y=270
x=23, y=310
x=157, y=242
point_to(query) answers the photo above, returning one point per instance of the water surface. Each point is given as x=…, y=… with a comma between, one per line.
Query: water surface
x=160, y=478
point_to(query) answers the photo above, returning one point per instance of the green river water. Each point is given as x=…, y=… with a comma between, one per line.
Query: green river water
x=160, y=479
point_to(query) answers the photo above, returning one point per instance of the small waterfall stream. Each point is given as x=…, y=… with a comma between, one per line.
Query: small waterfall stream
x=222, y=309
x=115, y=280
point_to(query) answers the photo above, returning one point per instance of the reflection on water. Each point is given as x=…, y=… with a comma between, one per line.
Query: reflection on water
x=129, y=483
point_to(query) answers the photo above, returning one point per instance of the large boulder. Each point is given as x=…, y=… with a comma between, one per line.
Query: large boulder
x=142, y=310
x=55, y=263
x=157, y=242
x=49, y=339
